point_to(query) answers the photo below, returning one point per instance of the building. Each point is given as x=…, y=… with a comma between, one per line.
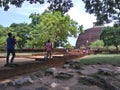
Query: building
x=89, y=35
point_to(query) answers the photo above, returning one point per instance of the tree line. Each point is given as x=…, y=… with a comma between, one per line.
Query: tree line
x=58, y=26
x=53, y=26
x=111, y=36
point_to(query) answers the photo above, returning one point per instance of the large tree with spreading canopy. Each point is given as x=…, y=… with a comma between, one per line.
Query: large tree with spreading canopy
x=54, y=5
x=52, y=26
x=106, y=11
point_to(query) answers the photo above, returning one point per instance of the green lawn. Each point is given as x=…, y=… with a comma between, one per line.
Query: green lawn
x=101, y=59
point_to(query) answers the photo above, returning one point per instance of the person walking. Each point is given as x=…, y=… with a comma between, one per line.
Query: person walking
x=49, y=49
x=10, y=48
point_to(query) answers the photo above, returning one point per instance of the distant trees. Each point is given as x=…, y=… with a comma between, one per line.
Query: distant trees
x=3, y=34
x=54, y=26
x=97, y=44
x=111, y=36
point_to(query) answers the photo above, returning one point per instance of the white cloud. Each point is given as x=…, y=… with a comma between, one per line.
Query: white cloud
x=27, y=9
x=78, y=14
x=82, y=18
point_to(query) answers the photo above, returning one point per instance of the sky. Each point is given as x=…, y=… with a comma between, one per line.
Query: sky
x=21, y=15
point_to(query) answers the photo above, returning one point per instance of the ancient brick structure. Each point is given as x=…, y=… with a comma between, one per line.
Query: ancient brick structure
x=88, y=36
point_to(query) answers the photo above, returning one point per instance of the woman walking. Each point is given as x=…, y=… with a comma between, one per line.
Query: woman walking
x=49, y=49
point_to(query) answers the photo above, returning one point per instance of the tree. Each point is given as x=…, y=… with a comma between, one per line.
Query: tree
x=55, y=5
x=54, y=26
x=80, y=29
x=59, y=27
x=97, y=44
x=21, y=31
x=60, y=5
x=3, y=36
x=35, y=19
x=18, y=3
x=68, y=45
x=111, y=36
x=106, y=11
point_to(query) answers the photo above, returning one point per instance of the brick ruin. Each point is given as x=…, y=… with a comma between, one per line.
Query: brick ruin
x=88, y=36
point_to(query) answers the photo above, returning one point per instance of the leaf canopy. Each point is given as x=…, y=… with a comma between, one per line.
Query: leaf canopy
x=106, y=11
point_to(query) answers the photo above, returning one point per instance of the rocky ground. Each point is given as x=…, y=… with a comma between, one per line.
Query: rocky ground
x=71, y=76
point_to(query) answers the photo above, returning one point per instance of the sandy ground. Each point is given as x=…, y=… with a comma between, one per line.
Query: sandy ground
x=22, y=59
x=17, y=59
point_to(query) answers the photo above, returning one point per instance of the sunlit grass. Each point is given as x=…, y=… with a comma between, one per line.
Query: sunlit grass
x=101, y=59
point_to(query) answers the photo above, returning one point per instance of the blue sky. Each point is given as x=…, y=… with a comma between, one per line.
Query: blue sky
x=20, y=15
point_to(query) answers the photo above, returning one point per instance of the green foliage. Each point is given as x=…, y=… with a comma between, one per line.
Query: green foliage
x=53, y=26
x=2, y=42
x=35, y=19
x=97, y=44
x=111, y=36
x=21, y=31
x=55, y=5
x=68, y=45
x=3, y=36
x=106, y=11
x=18, y=3
x=60, y=5
x=37, y=38
x=80, y=29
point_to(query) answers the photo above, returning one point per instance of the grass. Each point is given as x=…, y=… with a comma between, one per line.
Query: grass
x=101, y=59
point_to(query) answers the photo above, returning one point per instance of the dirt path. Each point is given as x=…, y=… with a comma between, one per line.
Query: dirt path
x=17, y=59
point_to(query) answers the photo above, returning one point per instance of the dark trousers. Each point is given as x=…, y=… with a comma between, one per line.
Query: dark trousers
x=8, y=55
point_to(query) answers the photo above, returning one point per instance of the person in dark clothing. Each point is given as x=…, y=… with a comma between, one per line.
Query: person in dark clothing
x=14, y=40
x=10, y=48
